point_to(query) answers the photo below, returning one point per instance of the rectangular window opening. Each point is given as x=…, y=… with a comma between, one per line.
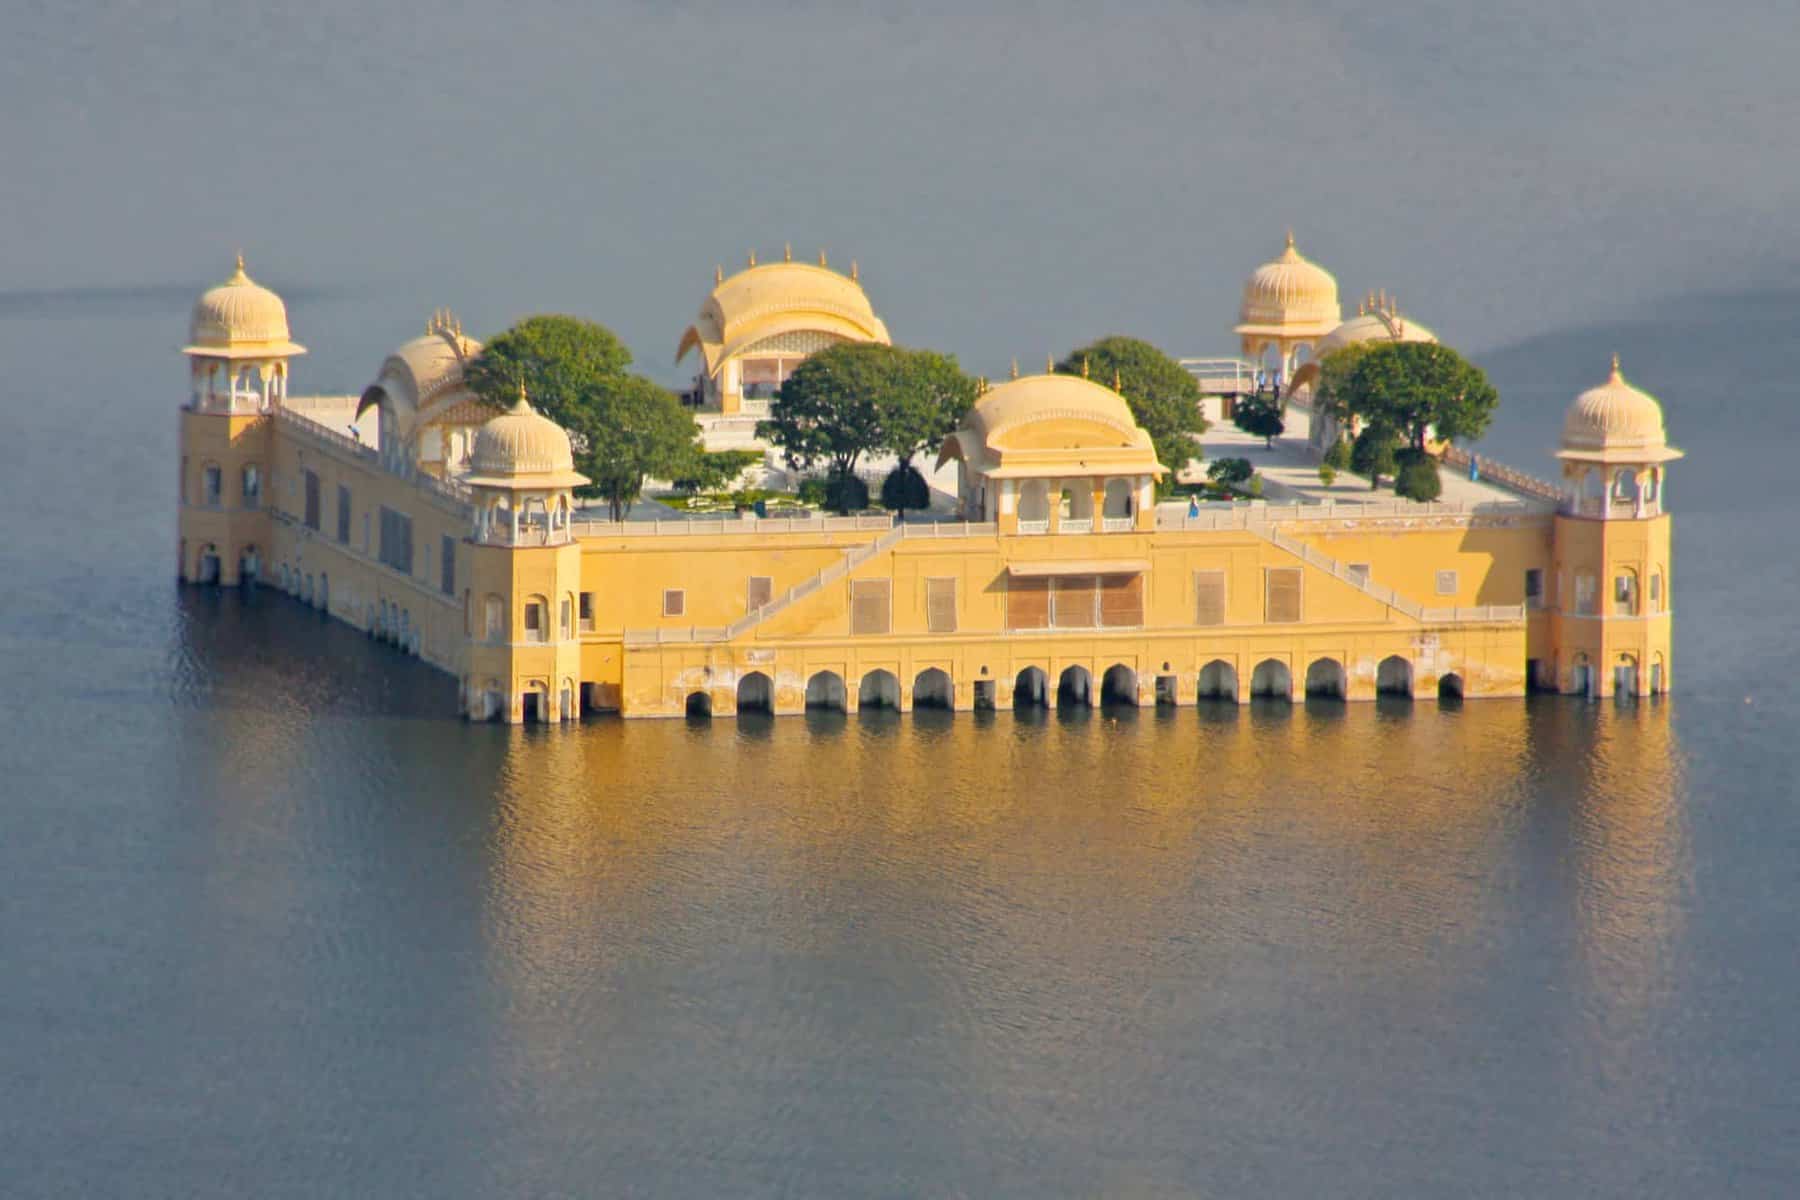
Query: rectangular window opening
x=585, y=611
x=1446, y=583
x=1209, y=597
x=940, y=605
x=674, y=602
x=759, y=593
x=1281, y=604
x=870, y=611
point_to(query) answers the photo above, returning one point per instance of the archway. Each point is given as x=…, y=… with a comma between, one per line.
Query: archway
x=1325, y=678
x=1075, y=688
x=1272, y=678
x=755, y=693
x=1031, y=689
x=566, y=705
x=1450, y=686
x=1078, y=501
x=699, y=705
x=1393, y=676
x=535, y=702
x=1218, y=681
x=933, y=689
x=249, y=566
x=1119, y=685
x=1118, y=499
x=1034, y=501
x=209, y=564
x=879, y=689
x=1581, y=676
x=1625, y=676
x=826, y=690
x=1658, y=683
x=324, y=591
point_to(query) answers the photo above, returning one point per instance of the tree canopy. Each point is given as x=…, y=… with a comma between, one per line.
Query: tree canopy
x=560, y=359
x=1260, y=416
x=859, y=398
x=1411, y=387
x=630, y=429
x=1164, y=399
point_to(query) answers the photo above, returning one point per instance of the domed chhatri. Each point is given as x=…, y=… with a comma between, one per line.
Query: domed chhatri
x=1289, y=304
x=756, y=326
x=1290, y=294
x=1615, y=423
x=240, y=318
x=522, y=448
x=1045, y=436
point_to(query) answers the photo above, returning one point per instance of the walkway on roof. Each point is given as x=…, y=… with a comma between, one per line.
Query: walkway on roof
x=1291, y=472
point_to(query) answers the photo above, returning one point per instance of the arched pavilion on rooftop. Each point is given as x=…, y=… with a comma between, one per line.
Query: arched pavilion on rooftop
x=757, y=326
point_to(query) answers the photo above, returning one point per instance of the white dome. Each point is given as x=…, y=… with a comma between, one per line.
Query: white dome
x=522, y=448
x=1290, y=295
x=1615, y=422
x=240, y=318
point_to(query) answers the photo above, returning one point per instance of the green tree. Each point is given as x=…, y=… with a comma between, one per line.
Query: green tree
x=560, y=359
x=1229, y=471
x=1372, y=454
x=1416, y=477
x=923, y=397
x=1331, y=394
x=629, y=429
x=1412, y=387
x=1338, y=456
x=1260, y=416
x=1164, y=398
x=829, y=411
x=712, y=471
x=905, y=488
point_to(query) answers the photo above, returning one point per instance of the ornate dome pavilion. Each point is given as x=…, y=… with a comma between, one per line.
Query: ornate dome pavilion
x=240, y=318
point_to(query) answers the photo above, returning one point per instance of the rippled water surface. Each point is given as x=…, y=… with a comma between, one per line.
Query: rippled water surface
x=274, y=922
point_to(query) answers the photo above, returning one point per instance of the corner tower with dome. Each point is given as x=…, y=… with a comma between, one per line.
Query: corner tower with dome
x=454, y=533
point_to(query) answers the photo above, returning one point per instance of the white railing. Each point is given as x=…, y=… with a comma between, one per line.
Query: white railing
x=950, y=529
x=1035, y=526
x=1074, y=525
x=1117, y=524
x=1244, y=516
x=1498, y=472
x=724, y=526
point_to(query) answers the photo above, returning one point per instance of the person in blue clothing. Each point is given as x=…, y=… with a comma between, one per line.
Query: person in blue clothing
x=1193, y=506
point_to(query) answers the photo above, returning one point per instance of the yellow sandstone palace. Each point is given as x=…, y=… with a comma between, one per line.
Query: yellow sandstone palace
x=414, y=513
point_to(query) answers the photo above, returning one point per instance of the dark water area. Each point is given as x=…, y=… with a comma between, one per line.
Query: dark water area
x=275, y=922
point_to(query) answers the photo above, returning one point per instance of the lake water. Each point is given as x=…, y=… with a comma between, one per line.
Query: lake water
x=274, y=922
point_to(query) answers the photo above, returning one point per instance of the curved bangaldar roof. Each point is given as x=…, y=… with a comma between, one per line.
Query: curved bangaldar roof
x=1615, y=423
x=240, y=318
x=424, y=377
x=1290, y=296
x=1049, y=424
x=1373, y=325
x=762, y=301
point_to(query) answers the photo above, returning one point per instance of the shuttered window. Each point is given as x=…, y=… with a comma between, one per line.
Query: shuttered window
x=343, y=515
x=940, y=605
x=312, y=499
x=1121, y=600
x=760, y=592
x=1072, y=602
x=869, y=606
x=1027, y=603
x=674, y=602
x=1209, y=597
x=1282, y=605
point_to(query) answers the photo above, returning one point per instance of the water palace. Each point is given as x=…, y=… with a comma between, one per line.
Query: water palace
x=1052, y=575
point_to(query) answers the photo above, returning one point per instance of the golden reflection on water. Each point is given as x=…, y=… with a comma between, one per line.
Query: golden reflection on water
x=1391, y=839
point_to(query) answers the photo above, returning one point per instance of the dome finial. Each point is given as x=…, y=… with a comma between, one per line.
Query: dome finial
x=787, y=252
x=822, y=261
x=1117, y=385
x=753, y=258
x=1049, y=364
x=1084, y=366
x=1615, y=366
x=718, y=274
x=855, y=275
x=1290, y=238
x=522, y=405
x=1015, y=369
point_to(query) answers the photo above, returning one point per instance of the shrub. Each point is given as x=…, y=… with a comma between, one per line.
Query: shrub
x=813, y=490
x=1372, y=454
x=904, y=488
x=1327, y=474
x=1338, y=457
x=1256, y=484
x=1229, y=470
x=1417, y=476
x=846, y=494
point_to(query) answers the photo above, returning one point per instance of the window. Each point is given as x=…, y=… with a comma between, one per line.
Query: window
x=1534, y=587
x=343, y=515
x=1281, y=603
x=535, y=630
x=940, y=605
x=1209, y=597
x=1446, y=583
x=1656, y=592
x=312, y=498
x=446, y=564
x=495, y=622
x=1625, y=599
x=1359, y=572
x=674, y=602
x=1587, y=594
x=565, y=625
x=1027, y=603
x=759, y=593
x=1072, y=602
x=210, y=482
x=869, y=606
x=1121, y=600
x=586, y=612
x=252, y=486
x=396, y=540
